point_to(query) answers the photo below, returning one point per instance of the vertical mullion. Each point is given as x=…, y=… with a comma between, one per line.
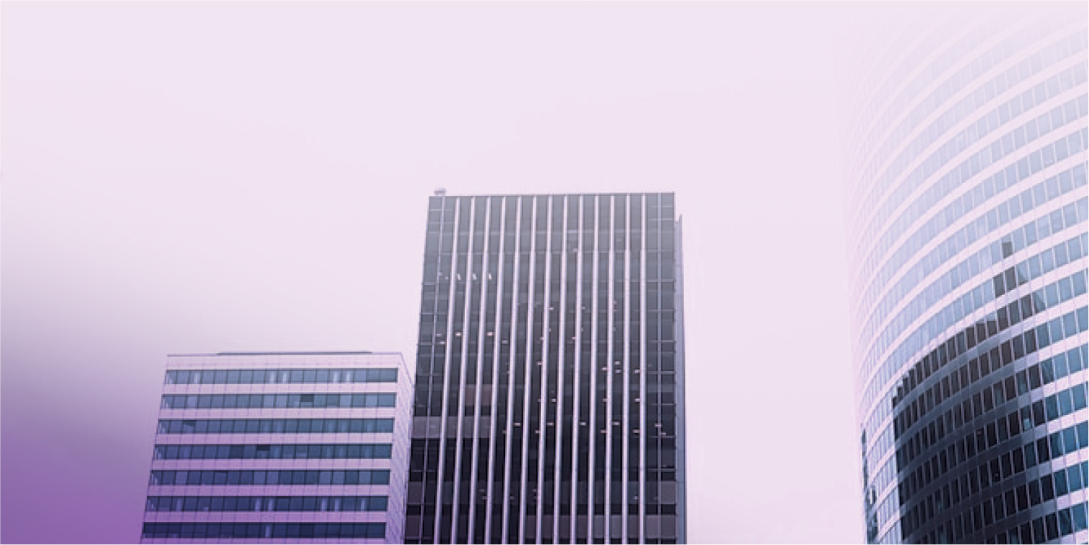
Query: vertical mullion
x=562, y=336
x=528, y=372
x=447, y=363
x=627, y=380
x=479, y=368
x=543, y=398
x=592, y=428
x=512, y=363
x=610, y=325
x=461, y=377
x=577, y=391
x=643, y=374
x=496, y=340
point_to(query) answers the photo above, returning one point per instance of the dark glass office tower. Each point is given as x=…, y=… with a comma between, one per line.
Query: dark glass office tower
x=549, y=400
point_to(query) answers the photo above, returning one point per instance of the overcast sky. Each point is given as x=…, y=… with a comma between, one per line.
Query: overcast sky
x=204, y=177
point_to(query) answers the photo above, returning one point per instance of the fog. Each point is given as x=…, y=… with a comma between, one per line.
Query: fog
x=205, y=177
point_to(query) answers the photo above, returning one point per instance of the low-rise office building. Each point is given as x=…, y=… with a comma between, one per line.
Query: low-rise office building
x=280, y=447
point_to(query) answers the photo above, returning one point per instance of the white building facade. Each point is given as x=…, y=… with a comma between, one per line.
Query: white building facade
x=280, y=448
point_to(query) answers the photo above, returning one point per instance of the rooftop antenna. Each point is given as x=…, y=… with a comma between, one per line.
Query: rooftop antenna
x=440, y=192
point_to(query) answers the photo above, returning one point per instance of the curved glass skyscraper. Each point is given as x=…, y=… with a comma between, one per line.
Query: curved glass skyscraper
x=967, y=161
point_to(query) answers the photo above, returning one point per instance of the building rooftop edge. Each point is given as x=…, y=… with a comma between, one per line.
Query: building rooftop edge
x=559, y=193
x=281, y=353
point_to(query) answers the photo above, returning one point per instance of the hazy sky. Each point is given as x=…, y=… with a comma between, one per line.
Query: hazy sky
x=203, y=177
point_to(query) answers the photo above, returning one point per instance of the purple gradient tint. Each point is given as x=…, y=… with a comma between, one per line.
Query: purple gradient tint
x=205, y=177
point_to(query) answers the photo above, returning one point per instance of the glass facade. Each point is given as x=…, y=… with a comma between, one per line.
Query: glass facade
x=967, y=204
x=549, y=402
x=280, y=448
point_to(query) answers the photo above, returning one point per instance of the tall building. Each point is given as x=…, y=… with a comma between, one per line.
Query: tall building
x=280, y=448
x=549, y=399
x=968, y=206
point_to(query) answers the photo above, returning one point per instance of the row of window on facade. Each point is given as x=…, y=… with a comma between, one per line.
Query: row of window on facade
x=350, y=451
x=270, y=477
x=277, y=401
x=324, y=504
x=278, y=425
x=280, y=376
x=264, y=530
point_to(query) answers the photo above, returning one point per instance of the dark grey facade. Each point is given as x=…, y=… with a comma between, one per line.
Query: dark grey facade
x=549, y=402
